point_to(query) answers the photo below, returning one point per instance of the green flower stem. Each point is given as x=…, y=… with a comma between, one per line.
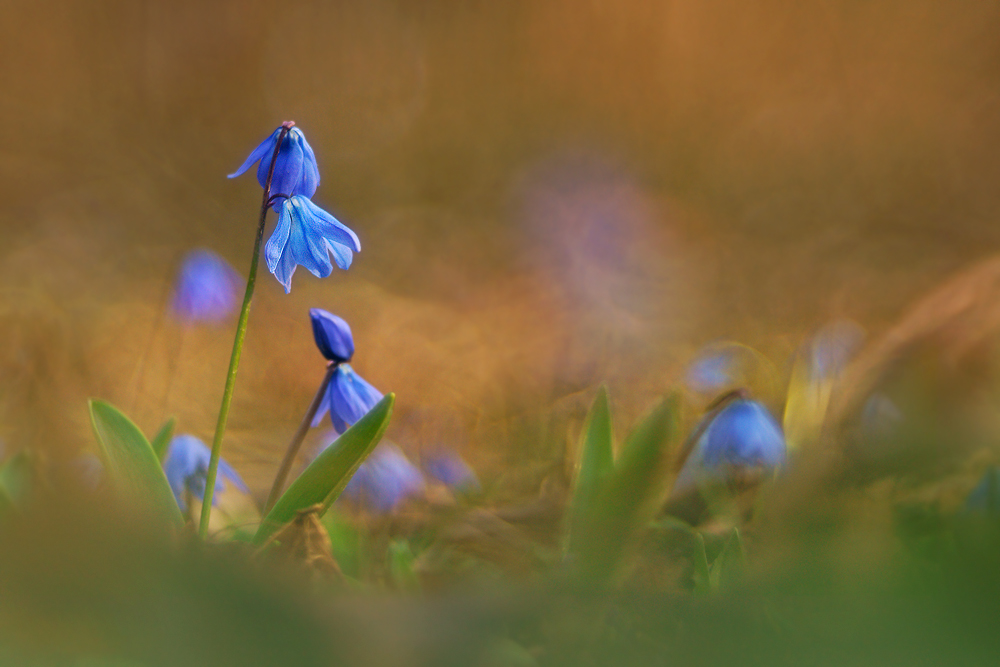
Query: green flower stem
x=296, y=442
x=241, y=333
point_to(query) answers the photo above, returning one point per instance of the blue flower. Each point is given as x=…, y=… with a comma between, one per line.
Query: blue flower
x=307, y=235
x=295, y=169
x=741, y=440
x=384, y=480
x=985, y=498
x=712, y=371
x=207, y=288
x=186, y=467
x=451, y=470
x=348, y=398
x=333, y=336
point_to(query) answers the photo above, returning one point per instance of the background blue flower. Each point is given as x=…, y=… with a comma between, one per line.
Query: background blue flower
x=384, y=480
x=186, y=467
x=348, y=398
x=207, y=288
x=333, y=335
x=451, y=470
x=295, y=169
x=308, y=235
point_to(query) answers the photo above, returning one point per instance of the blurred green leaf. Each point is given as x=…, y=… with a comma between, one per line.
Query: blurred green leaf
x=16, y=479
x=131, y=463
x=702, y=578
x=596, y=464
x=401, y=560
x=325, y=478
x=631, y=496
x=161, y=440
x=728, y=567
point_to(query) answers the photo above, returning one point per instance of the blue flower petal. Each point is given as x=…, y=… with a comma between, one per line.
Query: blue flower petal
x=186, y=468
x=324, y=407
x=295, y=168
x=385, y=480
x=207, y=288
x=266, y=148
x=351, y=397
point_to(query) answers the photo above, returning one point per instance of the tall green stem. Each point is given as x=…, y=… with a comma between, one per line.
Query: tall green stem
x=241, y=333
x=296, y=443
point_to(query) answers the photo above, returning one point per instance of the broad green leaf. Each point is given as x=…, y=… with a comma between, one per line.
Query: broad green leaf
x=631, y=496
x=325, y=478
x=702, y=574
x=728, y=566
x=131, y=463
x=161, y=440
x=596, y=464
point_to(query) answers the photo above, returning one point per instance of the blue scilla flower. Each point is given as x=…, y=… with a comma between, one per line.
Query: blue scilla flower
x=740, y=441
x=207, y=288
x=348, y=398
x=384, y=480
x=295, y=169
x=186, y=467
x=451, y=470
x=985, y=498
x=333, y=336
x=308, y=235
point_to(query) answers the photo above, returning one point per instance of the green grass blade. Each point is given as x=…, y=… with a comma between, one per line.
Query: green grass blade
x=161, y=441
x=596, y=465
x=16, y=477
x=325, y=478
x=131, y=463
x=632, y=494
x=728, y=567
x=702, y=573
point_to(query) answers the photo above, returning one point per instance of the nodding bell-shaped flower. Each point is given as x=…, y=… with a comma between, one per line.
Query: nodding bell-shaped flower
x=307, y=235
x=207, y=288
x=333, y=336
x=348, y=398
x=384, y=480
x=739, y=444
x=186, y=467
x=295, y=169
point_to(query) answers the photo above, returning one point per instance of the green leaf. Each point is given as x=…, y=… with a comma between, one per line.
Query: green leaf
x=632, y=494
x=162, y=439
x=131, y=463
x=728, y=567
x=325, y=478
x=16, y=477
x=596, y=465
x=702, y=574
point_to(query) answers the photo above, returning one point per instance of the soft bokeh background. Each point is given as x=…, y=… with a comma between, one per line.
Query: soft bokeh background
x=548, y=194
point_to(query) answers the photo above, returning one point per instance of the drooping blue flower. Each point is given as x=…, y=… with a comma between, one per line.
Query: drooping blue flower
x=451, y=470
x=186, y=467
x=207, y=288
x=295, y=169
x=384, y=480
x=985, y=498
x=333, y=336
x=742, y=437
x=348, y=398
x=307, y=235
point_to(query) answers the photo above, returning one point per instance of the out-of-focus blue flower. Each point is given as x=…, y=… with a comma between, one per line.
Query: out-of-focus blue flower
x=833, y=347
x=295, y=169
x=712, y=371
x=186, y=467
x=348, y=398
x=985, y=498
x=742, y=437
x=307, y=235
x=333, y=336
x=451, y=470
x=384, y=480
x=207, y=288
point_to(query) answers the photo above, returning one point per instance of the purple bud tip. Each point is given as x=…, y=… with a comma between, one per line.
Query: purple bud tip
x=288, y=124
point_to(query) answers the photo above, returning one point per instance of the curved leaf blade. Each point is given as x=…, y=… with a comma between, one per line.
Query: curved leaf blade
x=596, y=464
x=161, y=440
x=131, y=463
x=325, y=478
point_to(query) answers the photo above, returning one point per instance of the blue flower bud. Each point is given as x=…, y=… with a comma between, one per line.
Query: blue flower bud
x=295, y=169
x=333, y=336
x=307, y=235
x=384, y=480
x=742, y=439
x=348, y=398
x=207, y=288
x=186, y=467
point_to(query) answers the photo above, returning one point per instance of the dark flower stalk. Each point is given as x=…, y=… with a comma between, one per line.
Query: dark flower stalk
x=241, y=331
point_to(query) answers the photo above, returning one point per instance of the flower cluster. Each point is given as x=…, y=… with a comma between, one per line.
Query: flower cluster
x=305, y=234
